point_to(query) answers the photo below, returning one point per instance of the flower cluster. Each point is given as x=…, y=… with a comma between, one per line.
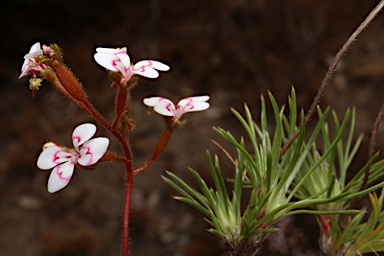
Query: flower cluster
x=45, y=61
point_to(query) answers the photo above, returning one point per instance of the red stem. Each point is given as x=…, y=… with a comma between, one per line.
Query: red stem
x=71, y=88
x=128, y=166
x=161, y=144
x=121, y=104
x=127, y=207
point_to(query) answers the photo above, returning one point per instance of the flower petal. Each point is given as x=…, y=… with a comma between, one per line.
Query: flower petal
x=25, y=68
x=185, y=101
x=196, y=106
x=110, y=50
x=113, y=59
x=165, y=108
x=60, y=177
x=25, y=65
x=34, y=51
x=82, y=133
x=150, y=102
x=92, y=150
x=146, y=71
x=51, y=157
x=124, y=58
x=151, y=63
x=108, y=61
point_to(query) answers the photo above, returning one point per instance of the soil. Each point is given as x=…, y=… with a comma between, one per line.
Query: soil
x=234, y=51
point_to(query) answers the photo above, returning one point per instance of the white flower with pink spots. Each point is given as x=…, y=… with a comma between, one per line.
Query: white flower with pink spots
x=86, y=152
x=166, y=107
x=119, y=61
x=32, y=64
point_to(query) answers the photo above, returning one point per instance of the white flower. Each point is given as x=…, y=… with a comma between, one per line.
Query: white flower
x=118, y=60
x=32, y=64
x=165, y=107
x=86, y=152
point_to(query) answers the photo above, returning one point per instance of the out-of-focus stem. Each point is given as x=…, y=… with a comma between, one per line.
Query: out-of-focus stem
x=332, y=69
x=375, y=132
x=372, y=144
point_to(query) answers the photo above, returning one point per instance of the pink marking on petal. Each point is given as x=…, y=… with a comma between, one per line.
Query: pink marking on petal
x=55, y=157
x=115, y=64
x=149, y=63
x=188, y=106
x=170, y=109
x=142, y=69
x=43, y=67
x=88, y=152
x=77, y=138
x=120, y=52
x=60, y=174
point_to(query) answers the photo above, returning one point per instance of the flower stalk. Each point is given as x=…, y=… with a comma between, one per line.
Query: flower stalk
x=122, y=105
x=47, y=63
x=160, y=146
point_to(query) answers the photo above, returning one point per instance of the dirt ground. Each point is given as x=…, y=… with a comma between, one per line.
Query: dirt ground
x=232, y=50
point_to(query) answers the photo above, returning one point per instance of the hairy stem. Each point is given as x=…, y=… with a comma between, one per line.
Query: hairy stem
x=127, y=209
x=71, y=88
x=161, y=144
x=332, y=68
x=128, y=166
x=122, y=106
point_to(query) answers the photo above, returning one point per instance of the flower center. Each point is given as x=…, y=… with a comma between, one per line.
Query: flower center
x=179, y=112
x=75, y=157
x=127, y=73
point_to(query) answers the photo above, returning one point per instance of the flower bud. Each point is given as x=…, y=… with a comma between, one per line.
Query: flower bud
x=49, y=144
x=34, y=84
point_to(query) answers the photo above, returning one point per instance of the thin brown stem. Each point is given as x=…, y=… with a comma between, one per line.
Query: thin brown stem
x=332, y=68
x=226, y=153
x=375, y=132
x=372, y=144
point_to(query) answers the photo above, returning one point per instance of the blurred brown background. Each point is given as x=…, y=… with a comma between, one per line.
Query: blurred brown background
x=232, y=50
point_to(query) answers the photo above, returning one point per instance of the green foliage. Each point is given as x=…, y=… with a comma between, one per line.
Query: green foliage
x=315, y=179
x=343, y=235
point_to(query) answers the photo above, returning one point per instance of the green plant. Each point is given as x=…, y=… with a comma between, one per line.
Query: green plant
x=302, y=181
